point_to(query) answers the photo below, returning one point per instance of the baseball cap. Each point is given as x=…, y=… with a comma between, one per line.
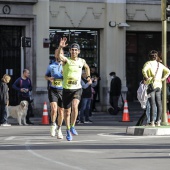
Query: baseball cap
x=75, y=45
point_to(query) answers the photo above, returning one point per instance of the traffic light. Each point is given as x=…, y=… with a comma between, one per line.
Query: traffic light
x=168, y=10
x=26, y=42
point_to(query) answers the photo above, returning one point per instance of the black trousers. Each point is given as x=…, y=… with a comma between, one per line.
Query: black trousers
x=114, y=103
x=3, y=113
x=141, y=119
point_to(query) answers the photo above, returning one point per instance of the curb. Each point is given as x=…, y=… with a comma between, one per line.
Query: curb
x=148, y=131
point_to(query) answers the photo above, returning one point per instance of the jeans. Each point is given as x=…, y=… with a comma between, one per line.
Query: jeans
x=85, y=108
x=155, y=100
x=3, y=114
x=148, y=107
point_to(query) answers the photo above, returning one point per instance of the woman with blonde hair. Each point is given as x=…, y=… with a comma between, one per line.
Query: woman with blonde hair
x=4, y=99
x=155, y=73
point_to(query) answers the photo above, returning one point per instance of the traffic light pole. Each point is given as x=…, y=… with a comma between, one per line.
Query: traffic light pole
x=164, y=59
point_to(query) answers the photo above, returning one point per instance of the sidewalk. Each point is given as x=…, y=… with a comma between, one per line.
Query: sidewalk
x=100, y=117
x=105, y=119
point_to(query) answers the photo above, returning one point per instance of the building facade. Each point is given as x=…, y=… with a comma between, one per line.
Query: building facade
x=114, y=35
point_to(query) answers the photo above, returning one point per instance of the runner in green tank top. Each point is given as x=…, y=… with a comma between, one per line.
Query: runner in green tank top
x=72, y=70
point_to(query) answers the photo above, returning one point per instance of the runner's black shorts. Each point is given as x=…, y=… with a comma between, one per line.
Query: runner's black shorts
x=69, y=95
x=55, y=95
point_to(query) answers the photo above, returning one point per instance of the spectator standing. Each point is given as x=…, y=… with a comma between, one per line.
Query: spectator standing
x=72, y=89
x=55, y=89
x=148, y=106
x=154, y=73
x=86, y=98
x=94, y=76
x=4, y=99
x=24, y=86
x=115, y=92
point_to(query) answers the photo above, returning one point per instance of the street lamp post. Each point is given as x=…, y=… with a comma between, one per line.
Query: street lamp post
x=164, y=59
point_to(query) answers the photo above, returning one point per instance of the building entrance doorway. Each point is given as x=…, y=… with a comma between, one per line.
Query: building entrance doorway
x=10, y=56
x=87, y=39
x=138, y=46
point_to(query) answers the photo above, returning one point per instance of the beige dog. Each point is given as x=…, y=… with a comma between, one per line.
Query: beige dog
x=19, y=112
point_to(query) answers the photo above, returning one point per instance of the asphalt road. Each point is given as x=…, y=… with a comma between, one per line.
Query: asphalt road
x=102, y=145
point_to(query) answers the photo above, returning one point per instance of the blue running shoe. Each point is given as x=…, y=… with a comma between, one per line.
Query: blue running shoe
x=73, y=131
x=68, y=135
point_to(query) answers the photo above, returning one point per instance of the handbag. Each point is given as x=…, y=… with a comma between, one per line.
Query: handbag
x=150, y=88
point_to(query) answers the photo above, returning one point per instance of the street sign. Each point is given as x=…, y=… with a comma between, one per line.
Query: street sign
x=26, y=42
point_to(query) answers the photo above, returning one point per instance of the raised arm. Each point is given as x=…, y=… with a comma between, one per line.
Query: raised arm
x=59, y=52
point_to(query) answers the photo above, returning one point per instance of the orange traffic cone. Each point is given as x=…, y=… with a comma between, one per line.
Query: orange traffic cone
x=168, y=115
x=45, y=120
x=125, y=117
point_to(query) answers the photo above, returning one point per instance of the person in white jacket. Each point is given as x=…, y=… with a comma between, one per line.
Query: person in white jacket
x=142, y=95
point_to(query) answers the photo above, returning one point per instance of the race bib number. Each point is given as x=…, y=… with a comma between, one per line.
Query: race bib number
x=57, y=83
x=72, y=81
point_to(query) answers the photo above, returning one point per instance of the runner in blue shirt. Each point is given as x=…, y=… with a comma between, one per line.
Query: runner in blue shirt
x=55, y=89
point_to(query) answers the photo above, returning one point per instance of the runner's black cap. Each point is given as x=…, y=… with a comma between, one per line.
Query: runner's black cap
x=75, y=45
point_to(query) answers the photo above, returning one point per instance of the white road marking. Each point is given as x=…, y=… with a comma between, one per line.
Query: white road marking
x=47, y=139
x=10, y=138
x=80, y=141
x=27, y=144
x=60, y=141
x=119, y=137
x=84, y=151
x=6, y=145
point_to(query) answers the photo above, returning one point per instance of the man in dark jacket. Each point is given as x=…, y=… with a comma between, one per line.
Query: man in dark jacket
x=115, y=92
x=23, y=85
x=95, y=76
x=4, y=99
x=86, y=97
